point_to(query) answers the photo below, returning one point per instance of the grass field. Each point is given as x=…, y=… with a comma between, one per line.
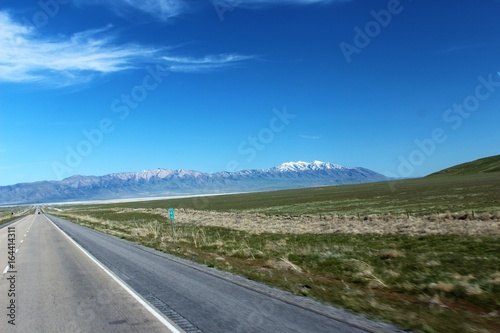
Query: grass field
x=483, y=165
x=419, y=197
x=438, y=270
x=6, y=213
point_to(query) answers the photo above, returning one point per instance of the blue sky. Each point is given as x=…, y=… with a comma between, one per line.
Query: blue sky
x=93, y=87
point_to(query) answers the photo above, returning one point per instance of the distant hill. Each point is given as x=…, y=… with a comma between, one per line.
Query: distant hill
x=164, y=182
x=483, y=165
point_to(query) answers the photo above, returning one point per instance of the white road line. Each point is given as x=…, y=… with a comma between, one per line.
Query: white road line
x=138, y=298
x=7, y=267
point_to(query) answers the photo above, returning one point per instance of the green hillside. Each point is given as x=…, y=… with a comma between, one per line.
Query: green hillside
x=483, y=165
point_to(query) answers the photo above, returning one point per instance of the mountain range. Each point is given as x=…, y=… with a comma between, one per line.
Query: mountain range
x=166, y=182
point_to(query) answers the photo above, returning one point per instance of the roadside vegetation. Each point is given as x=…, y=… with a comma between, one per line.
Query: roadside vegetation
x=8, y=214
x=423, y=254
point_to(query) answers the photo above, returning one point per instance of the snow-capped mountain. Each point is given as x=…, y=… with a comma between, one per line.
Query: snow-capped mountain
x=163, y=182
x=304, y=166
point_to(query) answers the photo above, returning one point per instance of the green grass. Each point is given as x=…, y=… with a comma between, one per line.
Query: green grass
x=6, y=213
x=420, y=197
x=443, y=283
x=483, y=165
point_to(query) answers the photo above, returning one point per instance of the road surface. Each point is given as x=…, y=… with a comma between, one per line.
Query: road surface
x=60, y=287
x=54, y=287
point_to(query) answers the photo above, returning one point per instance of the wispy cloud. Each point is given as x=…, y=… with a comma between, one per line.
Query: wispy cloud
x=23, y=165
x=466, y=47
x=165, y=10
x=261, y=3
x=310, y=137
x=206, y=63
x=27, y=57
x=160, y=9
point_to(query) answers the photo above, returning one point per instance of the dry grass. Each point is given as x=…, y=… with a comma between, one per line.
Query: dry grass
x=429, y=274
x=10, y=214
x=442, y=287
x=439, y=224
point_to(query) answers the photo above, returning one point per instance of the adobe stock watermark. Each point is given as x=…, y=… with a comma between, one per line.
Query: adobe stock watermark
x=223, y=6
x=253, y=144
x=121, y=107
x=255, y=319
x=454, y=118
x=48, y=10
x=85, y=312
x=372, y=29
x=139, y=93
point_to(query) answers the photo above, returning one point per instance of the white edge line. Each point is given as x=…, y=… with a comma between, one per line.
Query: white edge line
x=122, y=284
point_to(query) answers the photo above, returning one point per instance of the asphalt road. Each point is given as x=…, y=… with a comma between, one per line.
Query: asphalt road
x=195, y=297
x=53, y=286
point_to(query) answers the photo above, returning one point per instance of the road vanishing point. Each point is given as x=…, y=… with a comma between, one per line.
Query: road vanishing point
x=58, y=276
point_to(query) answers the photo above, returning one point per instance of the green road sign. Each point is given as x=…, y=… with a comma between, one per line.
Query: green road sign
x=171, y=211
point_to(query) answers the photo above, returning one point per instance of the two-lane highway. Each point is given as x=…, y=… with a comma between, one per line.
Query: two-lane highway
x=202, y=299
x=63, y=277
x=51, y=285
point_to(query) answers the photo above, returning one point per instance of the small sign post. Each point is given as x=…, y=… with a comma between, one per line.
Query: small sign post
x=171, y=213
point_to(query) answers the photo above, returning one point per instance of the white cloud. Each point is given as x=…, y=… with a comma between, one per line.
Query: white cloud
x=161, y=9
x=310, y=137
x=23, y=165
x=210, y=62
x=167, y=9
x=26, y=57
x=294, y=2
x=261, y=3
